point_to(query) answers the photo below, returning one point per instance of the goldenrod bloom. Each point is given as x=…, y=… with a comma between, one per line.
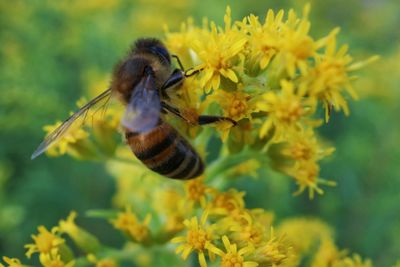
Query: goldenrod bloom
x=197, y=238
x=219, y=51
x=53, y=259
x=196, y=191
x=264, y=38
x=248, y=231
x=285, y=109
x=306, y=174
x=330, y=78
x=128, y=223
x=226, y=202
x=296, y=46
x=304, y=146
x=45, y=241
x=232, y=257
x=274, y=252
x=235, y=105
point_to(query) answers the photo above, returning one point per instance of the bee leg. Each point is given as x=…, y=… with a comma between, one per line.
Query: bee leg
x=201, y=120
x=192, y=73
x=173, y=110
x=187, y=72
x=179, y=62
x=207, y=119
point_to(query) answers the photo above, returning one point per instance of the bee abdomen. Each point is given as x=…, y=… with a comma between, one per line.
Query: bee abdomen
x=166, y=152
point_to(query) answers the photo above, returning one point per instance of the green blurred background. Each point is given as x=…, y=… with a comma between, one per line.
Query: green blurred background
x=52, y=51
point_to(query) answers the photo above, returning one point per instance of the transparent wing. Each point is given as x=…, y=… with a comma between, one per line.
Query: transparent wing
x=54, y=136
x=143, y=110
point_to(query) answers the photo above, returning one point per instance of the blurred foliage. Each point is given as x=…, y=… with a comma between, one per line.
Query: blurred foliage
x=52, y=52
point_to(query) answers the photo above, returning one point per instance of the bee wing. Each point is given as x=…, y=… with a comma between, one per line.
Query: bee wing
x=143, y=110
x=54, y=136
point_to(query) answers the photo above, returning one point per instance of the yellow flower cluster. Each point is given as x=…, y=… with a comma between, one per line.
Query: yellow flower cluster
x=219, y=230
x=50, y=246
x=54, y=250
x=271, y=77
x=217, y=227
x=230, y=233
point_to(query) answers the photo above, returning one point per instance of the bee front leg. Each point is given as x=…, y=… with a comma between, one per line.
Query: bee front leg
x=186, y=72
x=207, y=119
x=179, y=62
x=200, y=120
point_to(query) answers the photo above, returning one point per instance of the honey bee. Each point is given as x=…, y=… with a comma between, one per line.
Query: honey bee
x=140, y=82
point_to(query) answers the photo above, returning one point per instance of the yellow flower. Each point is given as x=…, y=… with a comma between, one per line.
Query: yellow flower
x=197, y=238
x=285, y=109
x=303, y=146
x=330, y=79
x=234, y=219
x=226, y=202
x=45, y=241
x=306, y=174
x=296, y=45
x=129, y=224
x=196, y=192
x=235, y=105
x=288, y=42
x=53, y=259
x=264, y=39
x=248, y=231
x=12, y=262
x=219, y=53
x=232, y=257
x=274, y=252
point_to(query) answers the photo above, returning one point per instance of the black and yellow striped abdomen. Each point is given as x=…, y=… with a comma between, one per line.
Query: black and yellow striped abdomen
x=165, y=151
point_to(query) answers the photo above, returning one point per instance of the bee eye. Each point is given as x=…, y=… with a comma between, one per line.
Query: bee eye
x=161, y=51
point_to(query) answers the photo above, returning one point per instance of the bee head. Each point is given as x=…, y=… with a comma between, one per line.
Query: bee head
x=153, y=46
